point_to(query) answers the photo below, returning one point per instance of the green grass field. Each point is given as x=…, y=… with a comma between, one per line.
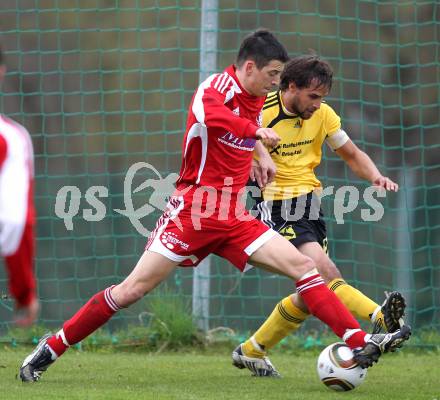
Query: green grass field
x=88, y=375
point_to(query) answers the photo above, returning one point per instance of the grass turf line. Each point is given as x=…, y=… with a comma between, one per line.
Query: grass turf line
x=201, y=376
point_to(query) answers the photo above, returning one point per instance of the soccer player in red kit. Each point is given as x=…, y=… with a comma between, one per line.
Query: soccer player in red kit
x=205, y=214
x=17, y=214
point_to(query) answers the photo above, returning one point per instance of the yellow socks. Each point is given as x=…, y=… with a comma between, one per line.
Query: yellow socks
x=285, y=319
x=359, y=305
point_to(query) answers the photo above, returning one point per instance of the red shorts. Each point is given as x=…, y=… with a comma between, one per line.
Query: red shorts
x=187, y=237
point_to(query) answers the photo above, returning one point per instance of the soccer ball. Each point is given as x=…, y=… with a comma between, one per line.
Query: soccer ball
x=337, y=369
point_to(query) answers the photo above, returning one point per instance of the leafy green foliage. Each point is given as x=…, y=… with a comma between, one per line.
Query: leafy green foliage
x=171, y=321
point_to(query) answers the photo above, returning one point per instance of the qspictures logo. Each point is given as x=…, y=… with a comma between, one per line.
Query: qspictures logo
x=160, y=189
x=67, y=204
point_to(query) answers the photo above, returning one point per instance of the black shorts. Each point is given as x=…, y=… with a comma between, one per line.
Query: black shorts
x=299, y=220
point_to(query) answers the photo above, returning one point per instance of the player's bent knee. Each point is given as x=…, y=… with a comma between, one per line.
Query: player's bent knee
x=305, y=266
x=309, y=265
x=127, y=294
x=329, y=271
x=333, y=273
x=298, y=302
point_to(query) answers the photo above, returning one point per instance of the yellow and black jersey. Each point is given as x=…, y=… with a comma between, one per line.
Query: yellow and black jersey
x=300, y=148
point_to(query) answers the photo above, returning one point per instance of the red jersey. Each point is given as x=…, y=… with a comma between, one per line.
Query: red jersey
x=16, y=183
x=220, y=134
x=217, y=154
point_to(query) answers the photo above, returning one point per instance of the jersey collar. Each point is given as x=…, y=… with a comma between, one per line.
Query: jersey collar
x=285, y=110
x=231, y=71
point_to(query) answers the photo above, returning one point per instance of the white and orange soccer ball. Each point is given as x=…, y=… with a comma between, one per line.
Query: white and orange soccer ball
x=337, y=369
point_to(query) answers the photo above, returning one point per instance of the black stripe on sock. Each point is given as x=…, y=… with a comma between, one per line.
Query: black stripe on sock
x=287, y=316
x=337, y=284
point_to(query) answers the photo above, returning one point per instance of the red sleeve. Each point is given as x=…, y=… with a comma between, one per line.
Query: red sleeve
x=3, y=150
x=210, y=107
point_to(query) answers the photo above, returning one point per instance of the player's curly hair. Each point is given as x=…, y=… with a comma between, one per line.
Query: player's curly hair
x=302, y=70
x=261, y=47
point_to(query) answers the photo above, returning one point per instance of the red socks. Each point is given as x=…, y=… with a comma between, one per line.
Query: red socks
x=324, y=304
x=95, y=313
x=321, y=302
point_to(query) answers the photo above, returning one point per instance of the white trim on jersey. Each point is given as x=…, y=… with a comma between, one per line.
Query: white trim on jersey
x=174, y=206
x=223, y=82
x=265, y=214
x=198, y=130
x=259, y=241
x=221, y=79
x=232, y=90
x=157, y=247
x=337, y=140
x=197, y=107
x=256, y=244
x=15, y=176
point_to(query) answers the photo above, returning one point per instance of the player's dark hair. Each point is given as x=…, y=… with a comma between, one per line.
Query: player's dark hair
x=302, y=70
x=261, y=47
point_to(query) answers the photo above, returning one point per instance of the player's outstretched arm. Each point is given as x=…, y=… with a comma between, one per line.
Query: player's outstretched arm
x=363, y=166
x=210, y=110
x=263, y=169
x=268, y=136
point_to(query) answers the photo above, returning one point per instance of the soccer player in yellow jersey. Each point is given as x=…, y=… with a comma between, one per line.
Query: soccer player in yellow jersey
x=286, y=174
